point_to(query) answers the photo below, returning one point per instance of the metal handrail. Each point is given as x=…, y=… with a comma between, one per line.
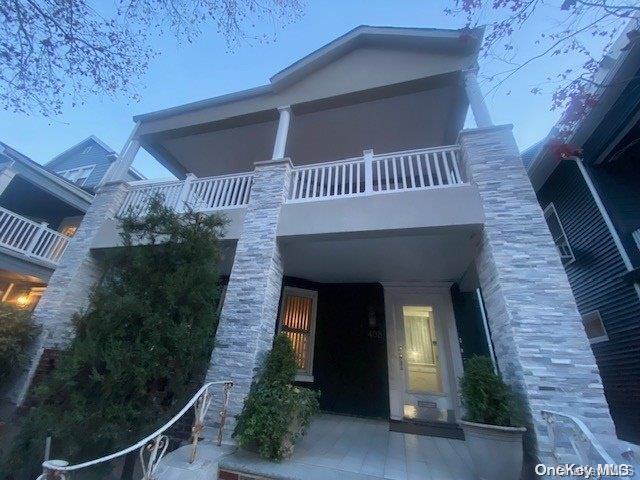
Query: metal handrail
x=582, y=431
x=155, y=443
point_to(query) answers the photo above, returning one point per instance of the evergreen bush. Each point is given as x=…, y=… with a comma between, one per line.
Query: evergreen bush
x=16, y=333
x=140, y=347
x=276, y=413
x=485, y=396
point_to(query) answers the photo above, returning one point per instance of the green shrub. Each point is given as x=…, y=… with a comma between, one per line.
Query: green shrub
x=485, y=396
x=16, y=333
x=140, y=346
x=275, y=412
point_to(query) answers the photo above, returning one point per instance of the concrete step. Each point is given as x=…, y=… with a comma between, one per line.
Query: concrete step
x=175, y=465
x=244, y=464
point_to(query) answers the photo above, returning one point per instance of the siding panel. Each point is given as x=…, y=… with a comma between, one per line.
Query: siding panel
x=79, y=158
x=596, y=280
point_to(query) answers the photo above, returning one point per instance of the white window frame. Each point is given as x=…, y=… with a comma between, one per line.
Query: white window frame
x=601, y=338
x=303, y=375
x=549, y=211
x=636, y=237
x=68, y=174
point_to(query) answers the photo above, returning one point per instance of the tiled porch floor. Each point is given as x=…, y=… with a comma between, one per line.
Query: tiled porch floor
x=340, y=447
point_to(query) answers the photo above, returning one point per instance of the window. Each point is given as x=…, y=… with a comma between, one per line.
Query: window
x=297, y=320
x=594, y=327
x=636, y=237
x=69, y=230
x=77, y=175
x=557, y=232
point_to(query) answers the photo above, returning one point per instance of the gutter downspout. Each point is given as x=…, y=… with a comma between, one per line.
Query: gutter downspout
x=606, y=217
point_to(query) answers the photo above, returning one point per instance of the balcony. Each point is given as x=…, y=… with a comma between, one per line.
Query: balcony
x=392, y=192
x=200, y=194
x=360, y=176
x=373, y=174
x=30, y=239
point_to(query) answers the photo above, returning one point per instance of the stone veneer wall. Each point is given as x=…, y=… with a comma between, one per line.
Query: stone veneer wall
x=70, y=284
x=540, y=344
x=248, y=318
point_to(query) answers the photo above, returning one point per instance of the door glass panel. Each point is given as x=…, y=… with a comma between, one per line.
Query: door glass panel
x=421, y=350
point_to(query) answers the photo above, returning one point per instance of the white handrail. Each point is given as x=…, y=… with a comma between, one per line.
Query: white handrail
x=579, y=433
x=416, y=169
x=152, y=181
x=200, y=194
x=50, y=466
x=31, y=238
x=326, y=164
x=419, y=150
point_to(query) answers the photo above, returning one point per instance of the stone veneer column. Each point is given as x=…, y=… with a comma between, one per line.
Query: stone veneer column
x=540, y=344
x=70, y=284
x=248, y=318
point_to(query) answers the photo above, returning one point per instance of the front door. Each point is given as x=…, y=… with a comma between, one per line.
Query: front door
x=424, y=356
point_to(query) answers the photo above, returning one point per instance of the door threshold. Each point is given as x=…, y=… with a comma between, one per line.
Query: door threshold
x=429, y=428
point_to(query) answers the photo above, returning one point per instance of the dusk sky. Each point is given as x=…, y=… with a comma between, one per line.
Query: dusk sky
x=189, y=72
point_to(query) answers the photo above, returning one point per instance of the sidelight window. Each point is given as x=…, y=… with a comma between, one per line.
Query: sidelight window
x=297, y=320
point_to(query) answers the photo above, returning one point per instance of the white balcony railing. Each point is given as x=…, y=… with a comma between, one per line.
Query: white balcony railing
x=372, y=174
x=32, y=239
x=200, y=194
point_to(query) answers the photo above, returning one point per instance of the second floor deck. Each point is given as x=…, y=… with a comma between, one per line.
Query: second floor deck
x=414, y=189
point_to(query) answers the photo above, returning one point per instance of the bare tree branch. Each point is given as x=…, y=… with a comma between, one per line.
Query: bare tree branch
x=52, y=51
x=561, y=28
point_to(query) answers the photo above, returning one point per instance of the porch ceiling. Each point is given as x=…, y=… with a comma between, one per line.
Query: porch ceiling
x=435, y=255
x=424, y=113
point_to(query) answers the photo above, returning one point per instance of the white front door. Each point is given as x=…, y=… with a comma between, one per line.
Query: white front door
x=424, y=355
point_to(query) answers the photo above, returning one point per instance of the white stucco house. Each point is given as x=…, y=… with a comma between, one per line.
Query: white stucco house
x=366, y=221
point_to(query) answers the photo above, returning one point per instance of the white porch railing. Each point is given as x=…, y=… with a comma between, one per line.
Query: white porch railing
x=153, y=447
x=371, y=174
x=32, y=239
x=572, y=442
x=201, y=194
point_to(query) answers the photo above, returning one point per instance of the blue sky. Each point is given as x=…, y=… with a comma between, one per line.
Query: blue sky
x=188, y=72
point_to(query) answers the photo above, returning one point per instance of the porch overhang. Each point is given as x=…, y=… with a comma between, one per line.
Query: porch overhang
x=423, y=255
x=369, y=64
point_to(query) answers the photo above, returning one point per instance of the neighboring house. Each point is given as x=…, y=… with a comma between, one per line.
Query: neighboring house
x=592, y=207
x=86, y=163
x=385, y=239
x=40, y=209
x=39, y=212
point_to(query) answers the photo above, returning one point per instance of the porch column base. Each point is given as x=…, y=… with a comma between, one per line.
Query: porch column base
x=248, y=318
x=540, y=343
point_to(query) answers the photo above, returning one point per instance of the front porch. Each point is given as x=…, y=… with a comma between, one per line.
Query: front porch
x=340, y=447
x=345, y=448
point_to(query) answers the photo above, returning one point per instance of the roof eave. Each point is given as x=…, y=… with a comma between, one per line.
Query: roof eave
x=309, y=62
